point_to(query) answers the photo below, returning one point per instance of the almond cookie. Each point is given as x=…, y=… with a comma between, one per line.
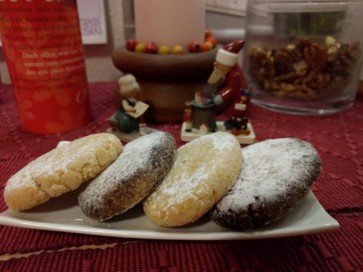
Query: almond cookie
x=204, y=170
x=275, y=176
x=141, y=166
x=61, y=170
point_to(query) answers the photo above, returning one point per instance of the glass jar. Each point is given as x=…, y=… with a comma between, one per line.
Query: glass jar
x=304, y=57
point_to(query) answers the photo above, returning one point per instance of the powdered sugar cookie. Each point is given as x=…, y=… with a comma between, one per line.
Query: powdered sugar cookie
x=142, y=165
x=204, y=170
x=61, y=170
x=276, y=174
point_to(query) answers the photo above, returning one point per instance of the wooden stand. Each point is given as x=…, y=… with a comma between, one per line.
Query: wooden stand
x=166, y=81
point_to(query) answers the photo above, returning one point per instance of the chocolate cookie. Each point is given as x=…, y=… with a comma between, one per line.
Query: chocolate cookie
x=142, y=165
x=276, y=174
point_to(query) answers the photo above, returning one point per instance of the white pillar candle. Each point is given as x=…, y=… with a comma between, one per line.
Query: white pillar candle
x=170, y=22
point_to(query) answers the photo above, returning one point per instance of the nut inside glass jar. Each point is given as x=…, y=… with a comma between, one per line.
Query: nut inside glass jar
x=305, y=69
x=304, y=57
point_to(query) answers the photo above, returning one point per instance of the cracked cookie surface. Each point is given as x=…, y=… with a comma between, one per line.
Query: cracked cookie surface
x=275, y=176
x=203, y=171
x=61, y=170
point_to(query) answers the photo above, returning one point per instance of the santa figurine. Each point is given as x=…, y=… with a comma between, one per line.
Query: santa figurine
x=233, y=95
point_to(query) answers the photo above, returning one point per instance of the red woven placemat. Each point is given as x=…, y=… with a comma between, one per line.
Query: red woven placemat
x=339, y=188
x=337, y=251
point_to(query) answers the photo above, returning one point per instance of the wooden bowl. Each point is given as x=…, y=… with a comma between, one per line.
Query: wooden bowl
x=166, y=81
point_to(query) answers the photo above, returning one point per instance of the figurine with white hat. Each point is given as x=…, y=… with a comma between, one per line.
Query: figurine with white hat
x=234, y=94
x=227, y=93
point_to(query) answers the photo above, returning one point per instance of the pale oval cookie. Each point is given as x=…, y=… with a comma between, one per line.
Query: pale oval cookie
x=204, y=170
x=143, y=163
x=275, y=176
x=61, y=170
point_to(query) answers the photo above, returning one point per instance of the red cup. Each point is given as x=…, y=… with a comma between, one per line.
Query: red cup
x=43, y=49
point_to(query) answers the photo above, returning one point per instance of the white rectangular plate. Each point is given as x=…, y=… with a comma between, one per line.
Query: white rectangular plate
x=63, y=214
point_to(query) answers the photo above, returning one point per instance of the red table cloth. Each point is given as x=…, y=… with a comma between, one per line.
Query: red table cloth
x=339, y=189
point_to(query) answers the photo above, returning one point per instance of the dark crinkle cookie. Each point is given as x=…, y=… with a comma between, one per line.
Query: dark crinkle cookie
x=276, y=175
x=143, y=163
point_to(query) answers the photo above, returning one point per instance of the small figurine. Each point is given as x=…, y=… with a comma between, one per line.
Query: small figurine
x=130, y=115
x=239, y=124
x=227, y=92
x=203, y=109
x=234, y=95
x=128, y=122
x=188, y=116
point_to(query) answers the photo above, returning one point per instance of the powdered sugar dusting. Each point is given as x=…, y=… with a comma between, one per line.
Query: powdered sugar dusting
x=143, y=162
x=270, y=169
x=64, y=158
x=221, y=141
x=210, y=153
x=203, y=171
x=138, y=155
x=61, y=170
